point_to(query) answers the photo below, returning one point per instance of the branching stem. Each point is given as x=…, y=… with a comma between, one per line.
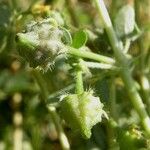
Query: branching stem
x=79, y=80
x=125, y=71
x=90, y=55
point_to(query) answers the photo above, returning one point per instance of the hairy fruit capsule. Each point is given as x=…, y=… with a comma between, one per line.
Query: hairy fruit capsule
x=41, y=43
x=82, y=112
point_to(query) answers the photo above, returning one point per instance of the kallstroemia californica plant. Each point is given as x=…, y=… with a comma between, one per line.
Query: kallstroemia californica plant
x=41, y=45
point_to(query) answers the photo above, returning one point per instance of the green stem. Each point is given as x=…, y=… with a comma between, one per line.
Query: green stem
x=112, y=99
x=41, y=82
x=145, y=90
x=125, y=71
x=90, y=55
x=79, y=81
x=127, y=46
x=113, y=112
x=71, y=4
x=62, y=137
x=99, y=65
x=59, y=92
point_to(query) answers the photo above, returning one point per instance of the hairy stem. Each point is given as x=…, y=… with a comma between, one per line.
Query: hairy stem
x=90, y=55
x=79, y=80
x=125, y=71
x=99, y=65
x=41, y=82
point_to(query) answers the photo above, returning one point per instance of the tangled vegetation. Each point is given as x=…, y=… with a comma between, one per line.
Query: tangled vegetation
x=75, y=75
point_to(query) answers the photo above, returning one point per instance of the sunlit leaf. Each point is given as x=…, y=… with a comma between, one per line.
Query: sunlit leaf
x=79, y=39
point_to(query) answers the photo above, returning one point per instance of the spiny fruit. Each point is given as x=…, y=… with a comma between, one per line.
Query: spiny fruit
x=82, y=112
x=42, y=42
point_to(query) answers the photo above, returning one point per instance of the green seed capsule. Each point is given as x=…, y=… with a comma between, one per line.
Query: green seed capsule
x=42, y=42
x=82, y=112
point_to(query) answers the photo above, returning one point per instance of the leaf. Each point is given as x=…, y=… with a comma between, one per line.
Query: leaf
x=125, y=21
x=79, y=39
x=67, y=39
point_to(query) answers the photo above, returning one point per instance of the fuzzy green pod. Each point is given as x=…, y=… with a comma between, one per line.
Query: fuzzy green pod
x=41, y=43
x=124, y=22
x=82, y=112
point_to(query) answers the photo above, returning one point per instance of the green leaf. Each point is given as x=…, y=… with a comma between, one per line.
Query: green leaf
x=67, y=39
x=125, y=21
x=79, y=39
